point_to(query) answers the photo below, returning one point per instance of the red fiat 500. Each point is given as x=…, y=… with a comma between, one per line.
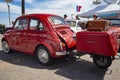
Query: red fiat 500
x=45, y=35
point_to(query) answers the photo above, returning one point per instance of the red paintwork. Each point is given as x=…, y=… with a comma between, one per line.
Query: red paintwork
x=67, y=37
x=101, y=43
x=117, y=30
x=27, y=40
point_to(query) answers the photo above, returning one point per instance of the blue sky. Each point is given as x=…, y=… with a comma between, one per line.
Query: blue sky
x=59, y=7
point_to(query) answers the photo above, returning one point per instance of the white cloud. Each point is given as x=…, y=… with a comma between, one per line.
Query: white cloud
x=27, y=1
x=59, y=7
x=13, y=8
x=62, y=6
x=51, y=6
x=3, y=7
x=54, y=4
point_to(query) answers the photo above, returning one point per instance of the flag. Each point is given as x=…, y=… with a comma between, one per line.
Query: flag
x=78, y=8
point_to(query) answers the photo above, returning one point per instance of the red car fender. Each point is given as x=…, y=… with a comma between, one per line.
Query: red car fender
x=49, y=47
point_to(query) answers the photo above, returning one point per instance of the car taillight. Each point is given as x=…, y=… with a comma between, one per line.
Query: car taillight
x=62, y=46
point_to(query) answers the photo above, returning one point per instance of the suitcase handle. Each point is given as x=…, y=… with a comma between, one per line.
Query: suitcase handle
x=100, y=29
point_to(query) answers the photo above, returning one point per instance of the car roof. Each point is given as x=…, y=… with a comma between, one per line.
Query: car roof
x=37, y=15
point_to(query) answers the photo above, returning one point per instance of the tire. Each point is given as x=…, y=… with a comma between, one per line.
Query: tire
x=5, y=47
x=102, y=61
x=43, y=56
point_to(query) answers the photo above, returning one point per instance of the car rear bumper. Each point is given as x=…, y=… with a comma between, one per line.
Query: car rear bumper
x=119, y=41
x=61, y=53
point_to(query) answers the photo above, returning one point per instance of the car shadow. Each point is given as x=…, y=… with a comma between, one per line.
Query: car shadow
x=78, y=70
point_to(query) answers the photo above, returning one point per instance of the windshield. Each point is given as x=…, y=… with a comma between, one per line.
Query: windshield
x=71, y=23
x=58, y=20
x=115, y=22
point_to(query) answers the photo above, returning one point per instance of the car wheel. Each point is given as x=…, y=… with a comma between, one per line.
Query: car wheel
x=5, y=47
x=43, y=56
x=102, y=61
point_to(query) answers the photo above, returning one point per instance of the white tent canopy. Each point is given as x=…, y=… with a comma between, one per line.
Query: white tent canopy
x=112, y=10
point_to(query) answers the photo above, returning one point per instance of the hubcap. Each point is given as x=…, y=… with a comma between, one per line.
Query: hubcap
x=102, y=61
x=43, y=55
x=5, y=47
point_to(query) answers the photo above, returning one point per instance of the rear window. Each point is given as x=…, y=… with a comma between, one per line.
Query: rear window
x=58, y=20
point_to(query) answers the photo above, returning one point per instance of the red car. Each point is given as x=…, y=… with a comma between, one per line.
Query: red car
x=45, y=35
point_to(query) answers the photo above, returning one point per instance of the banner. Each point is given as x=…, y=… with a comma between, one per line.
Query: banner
x=78, y=8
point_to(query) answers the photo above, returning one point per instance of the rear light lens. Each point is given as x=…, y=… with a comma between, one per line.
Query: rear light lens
x=62, y=46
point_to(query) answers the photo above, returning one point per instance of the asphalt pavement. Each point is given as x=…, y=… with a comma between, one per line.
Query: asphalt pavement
x=19, y=66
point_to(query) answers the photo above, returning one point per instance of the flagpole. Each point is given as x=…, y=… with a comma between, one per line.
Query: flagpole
x=76, y=7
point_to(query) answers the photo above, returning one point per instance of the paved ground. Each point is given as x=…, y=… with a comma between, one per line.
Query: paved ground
x=18, y=66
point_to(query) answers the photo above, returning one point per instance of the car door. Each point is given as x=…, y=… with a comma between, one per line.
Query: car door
x=19, y=34
x=35, y=34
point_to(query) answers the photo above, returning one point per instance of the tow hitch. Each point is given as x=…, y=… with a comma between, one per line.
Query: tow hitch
x=74, y=55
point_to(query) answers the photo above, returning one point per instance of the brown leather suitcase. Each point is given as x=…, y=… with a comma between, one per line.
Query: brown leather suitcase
x=98, y=25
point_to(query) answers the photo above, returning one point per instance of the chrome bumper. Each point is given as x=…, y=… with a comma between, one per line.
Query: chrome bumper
x=118, y=41
x=61, y=53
